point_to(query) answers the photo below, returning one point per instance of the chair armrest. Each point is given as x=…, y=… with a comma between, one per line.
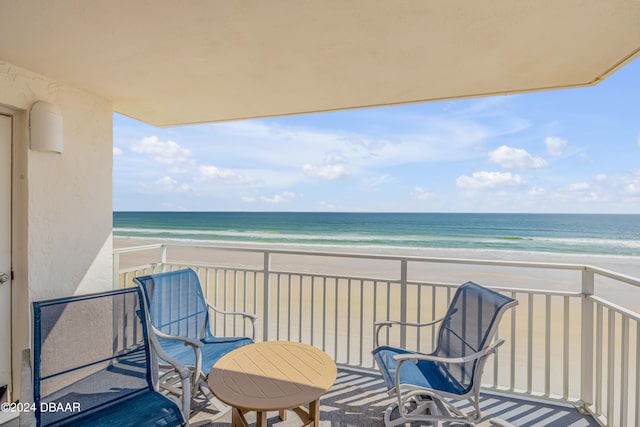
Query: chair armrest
x=186, y=340
x=251, y=317
x=389, y=323
x=184, y=372
x=453, y=360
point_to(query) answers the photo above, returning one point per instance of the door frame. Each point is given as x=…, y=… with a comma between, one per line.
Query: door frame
x=12, y=374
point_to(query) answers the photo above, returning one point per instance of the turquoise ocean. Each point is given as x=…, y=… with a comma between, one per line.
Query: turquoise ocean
x=556, y=233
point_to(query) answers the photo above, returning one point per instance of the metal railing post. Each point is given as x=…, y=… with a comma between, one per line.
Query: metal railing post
x=587, y=353
x=403, y=302
x=266, y=296
x=162, y=257
x=116, y=271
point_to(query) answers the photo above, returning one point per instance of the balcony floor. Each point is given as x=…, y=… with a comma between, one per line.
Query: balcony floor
x=358, y=398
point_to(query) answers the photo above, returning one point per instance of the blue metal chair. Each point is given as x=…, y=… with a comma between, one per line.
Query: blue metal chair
x=180, y=321
x=426, y=384
x=91, y=364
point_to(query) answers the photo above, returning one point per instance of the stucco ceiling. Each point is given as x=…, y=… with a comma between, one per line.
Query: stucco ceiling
x=171, y=62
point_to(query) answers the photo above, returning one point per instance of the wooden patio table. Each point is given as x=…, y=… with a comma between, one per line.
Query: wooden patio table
x=273, y=376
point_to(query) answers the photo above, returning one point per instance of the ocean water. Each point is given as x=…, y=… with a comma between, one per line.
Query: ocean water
x=556, y=233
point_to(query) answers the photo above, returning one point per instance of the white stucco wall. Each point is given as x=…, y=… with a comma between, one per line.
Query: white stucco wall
x=62, y=209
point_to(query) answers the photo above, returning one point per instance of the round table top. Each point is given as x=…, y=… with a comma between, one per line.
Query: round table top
x=272, y=375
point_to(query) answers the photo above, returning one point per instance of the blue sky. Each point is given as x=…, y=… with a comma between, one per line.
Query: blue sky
x=574, y=151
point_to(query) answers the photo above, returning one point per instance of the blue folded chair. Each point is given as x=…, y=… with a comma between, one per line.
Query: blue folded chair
x=92, y=367
x=180, y=321
x=425, y=385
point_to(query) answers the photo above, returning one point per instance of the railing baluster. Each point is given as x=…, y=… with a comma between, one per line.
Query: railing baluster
x=419, y=318
x=512, y=380
x=600, y=354
x=565, y=350
x=611, y=365
x=362, y=305
x=335, y=324
x=278, y=306
x=403, y=302
x=529, y=342
x=301, y=299
x=547, y=346
x=290, y=307
x=266, y=295
x=324, y=313
x=313, y=306
x=624, y=369
x=348, y=321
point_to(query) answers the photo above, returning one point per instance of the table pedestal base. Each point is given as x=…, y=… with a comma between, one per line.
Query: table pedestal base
x=312, y=415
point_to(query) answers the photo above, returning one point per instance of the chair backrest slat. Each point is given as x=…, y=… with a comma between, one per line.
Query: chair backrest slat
x=176, y=303
x=469, y=326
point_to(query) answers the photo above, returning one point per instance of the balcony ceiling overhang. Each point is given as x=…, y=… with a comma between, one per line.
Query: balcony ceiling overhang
x=170, y=62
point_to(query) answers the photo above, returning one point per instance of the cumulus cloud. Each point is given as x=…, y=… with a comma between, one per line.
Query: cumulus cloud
x=117, y=152
x=516, y=158
x=225, y=175
x=165, y=152
x=631, y=184
x=169, y=184
x=279, y=198
x=601, y=177
x=328, y=172
x=555, y=146
x=421, y=194
x=490, y=180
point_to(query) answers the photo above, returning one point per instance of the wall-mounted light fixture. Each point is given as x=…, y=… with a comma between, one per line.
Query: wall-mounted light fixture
x=45, y=127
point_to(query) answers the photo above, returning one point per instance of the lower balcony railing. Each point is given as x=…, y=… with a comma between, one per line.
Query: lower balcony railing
x=571, y=346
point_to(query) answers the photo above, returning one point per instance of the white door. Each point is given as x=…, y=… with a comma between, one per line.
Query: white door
x=5, y=251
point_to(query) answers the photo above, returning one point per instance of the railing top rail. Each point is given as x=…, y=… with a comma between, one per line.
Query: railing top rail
x=139, y=248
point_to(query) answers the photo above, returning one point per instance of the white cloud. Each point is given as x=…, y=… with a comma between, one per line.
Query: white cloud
x=326, y=172
x=279, y=198
x=632, y=184
x=490, y=180
x=117, y=151
x=537, y=191
x=579, y=187
x=555, y=146
x=169, y=184
x=585, y=157
x=374, y=181
x=516, y=158
x=601, y=177
x=225, y=175
x=165, y=152
x=421, y=194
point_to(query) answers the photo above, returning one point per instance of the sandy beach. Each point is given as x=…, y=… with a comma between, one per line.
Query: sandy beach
x=627, y=296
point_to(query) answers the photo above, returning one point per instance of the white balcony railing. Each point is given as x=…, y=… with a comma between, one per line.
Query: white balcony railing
x=571, y=346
